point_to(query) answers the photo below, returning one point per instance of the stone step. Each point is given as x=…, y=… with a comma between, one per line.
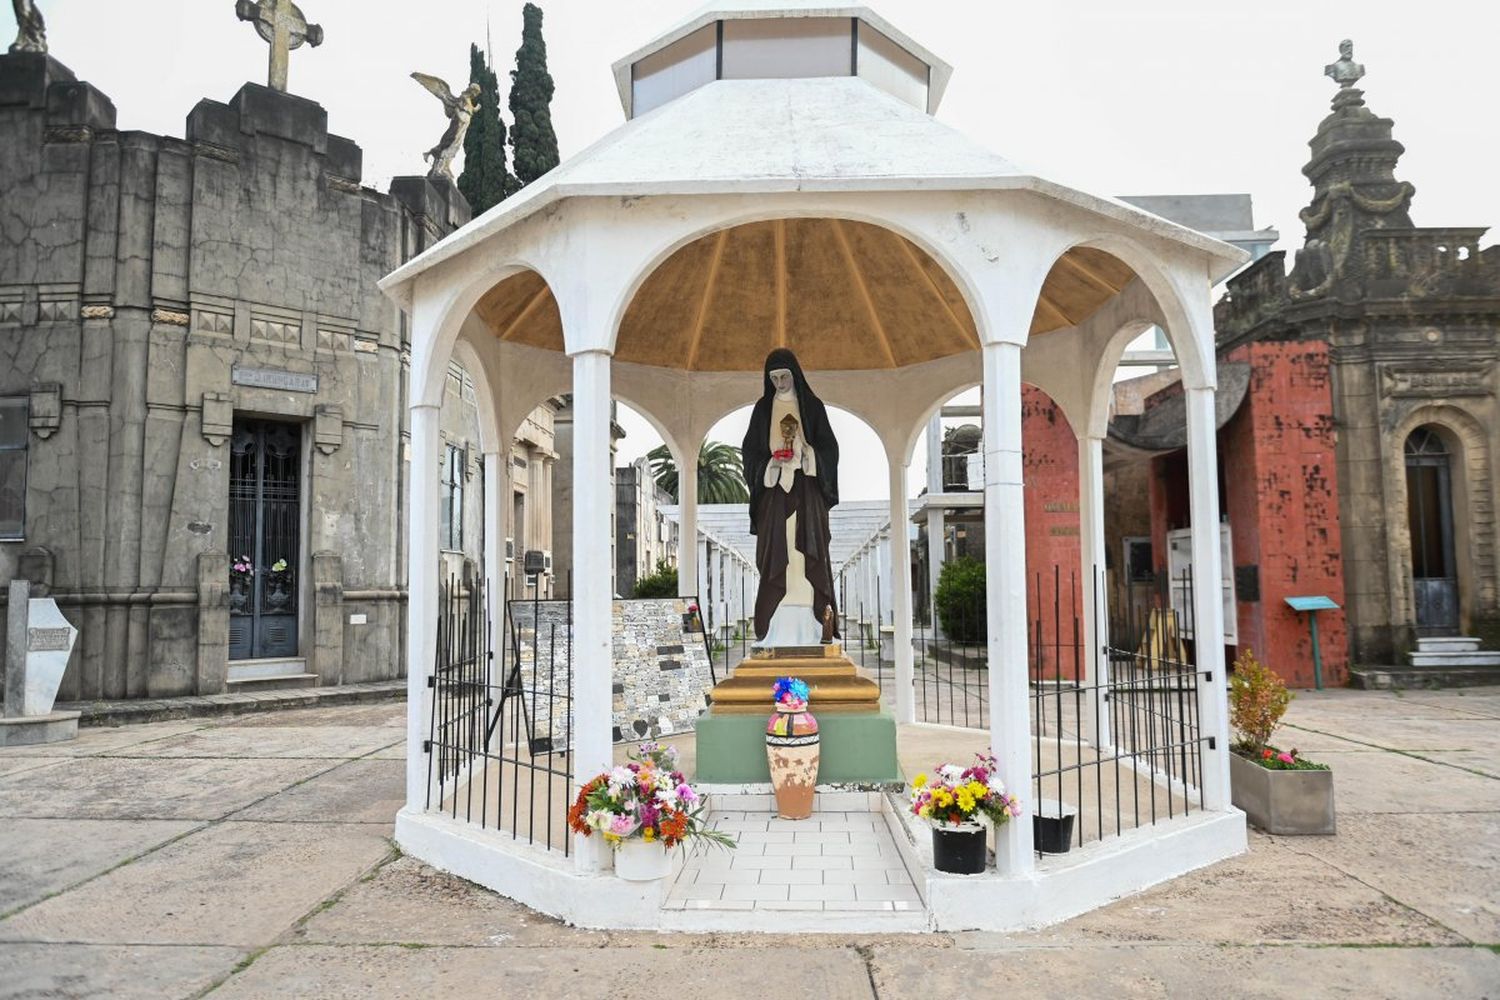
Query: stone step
x=1389, y=678
x=272, y=682
x=1480, y=658
x=244, y=670
x=1447, y=644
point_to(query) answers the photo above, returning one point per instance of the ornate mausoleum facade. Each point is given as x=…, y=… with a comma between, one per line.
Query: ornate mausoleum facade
x=1393, y=329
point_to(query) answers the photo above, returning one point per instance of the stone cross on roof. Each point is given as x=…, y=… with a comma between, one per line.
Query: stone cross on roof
x=279, y=22
x=1346, y=72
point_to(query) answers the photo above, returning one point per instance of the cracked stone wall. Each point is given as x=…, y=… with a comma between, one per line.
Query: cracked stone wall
x=138, y=273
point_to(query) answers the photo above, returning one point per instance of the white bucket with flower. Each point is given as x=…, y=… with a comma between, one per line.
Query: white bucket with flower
x=643, y=809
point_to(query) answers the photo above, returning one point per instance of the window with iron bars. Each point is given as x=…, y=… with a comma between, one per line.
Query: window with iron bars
x=14, y=413
x=451, y=527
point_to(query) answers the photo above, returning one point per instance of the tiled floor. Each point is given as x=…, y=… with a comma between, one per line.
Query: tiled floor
x=833, y=861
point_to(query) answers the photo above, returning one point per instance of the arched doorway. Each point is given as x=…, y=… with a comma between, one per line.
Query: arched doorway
x=1429, y=512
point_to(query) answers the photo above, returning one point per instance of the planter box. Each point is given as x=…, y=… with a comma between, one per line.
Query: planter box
x=1282, y=802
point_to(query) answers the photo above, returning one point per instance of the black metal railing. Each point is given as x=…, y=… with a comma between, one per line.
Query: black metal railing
x=499, y=735
x=1121, y=751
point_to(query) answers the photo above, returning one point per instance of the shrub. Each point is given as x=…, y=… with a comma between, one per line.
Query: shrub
x=960, y=600
x=1257, y=700
x=662, y=583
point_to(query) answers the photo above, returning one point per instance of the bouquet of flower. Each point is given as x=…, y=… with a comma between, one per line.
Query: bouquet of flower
x=954, y=795
x=646, y=798
x=241, y=565
x=791, y=694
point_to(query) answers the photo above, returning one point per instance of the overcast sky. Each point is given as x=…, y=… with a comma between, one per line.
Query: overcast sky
x=1119, y=97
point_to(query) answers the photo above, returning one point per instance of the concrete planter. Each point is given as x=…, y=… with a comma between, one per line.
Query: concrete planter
x=1282, y=802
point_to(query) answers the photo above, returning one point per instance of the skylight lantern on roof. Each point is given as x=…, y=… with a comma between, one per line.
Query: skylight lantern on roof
x=775, y=41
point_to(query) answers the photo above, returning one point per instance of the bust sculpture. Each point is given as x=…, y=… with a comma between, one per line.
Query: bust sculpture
x=791, y=467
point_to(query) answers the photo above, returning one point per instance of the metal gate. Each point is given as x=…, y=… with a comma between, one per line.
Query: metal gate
x=1429, y=511
x=265, y=492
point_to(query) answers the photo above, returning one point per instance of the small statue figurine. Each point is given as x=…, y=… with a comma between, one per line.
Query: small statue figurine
x=460, y=111
x=31, y=33
x=1346, y=72
x=829, y=627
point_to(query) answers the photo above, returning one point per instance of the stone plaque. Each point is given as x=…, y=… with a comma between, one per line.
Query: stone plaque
x=48, y=640
x=1437, y=382
x=273, y=378
x=39, y=641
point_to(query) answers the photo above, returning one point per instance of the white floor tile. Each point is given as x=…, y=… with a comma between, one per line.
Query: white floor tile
x=858, y=904
x=894, y=893
x=755, y=892
x=706, y=890
x=822, y=892
x=821, y=838
x=857, y=876
x=792, y=850
x=760, y=861
x=788, y=904
x=791, y=876
x=720, y=904
x=766, y=837
x=821, y=861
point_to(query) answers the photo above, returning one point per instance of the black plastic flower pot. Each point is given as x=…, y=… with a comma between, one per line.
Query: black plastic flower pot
x=1052, y=826
x=957, y=850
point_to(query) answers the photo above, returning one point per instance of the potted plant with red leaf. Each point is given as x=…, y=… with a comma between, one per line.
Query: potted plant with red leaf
x=1280, y=791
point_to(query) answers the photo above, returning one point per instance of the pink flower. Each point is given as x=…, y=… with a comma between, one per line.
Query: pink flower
x=1284, y=757
x=685, y=793
x=622, y=826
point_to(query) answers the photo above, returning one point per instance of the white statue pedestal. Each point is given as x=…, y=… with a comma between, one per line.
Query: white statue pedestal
x=39, y=642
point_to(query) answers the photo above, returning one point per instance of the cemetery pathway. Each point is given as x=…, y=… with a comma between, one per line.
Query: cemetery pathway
x=251, y=857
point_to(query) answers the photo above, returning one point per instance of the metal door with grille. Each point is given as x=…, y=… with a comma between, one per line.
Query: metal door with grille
x=1429, y=512
x=265, y=512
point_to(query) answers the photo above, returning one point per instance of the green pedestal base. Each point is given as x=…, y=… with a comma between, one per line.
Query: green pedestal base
x=856, y=748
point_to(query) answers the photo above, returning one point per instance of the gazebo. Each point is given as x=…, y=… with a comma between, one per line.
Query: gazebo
x=780, y=180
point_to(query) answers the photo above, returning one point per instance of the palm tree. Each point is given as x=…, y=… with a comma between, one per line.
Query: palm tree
x=721, y=473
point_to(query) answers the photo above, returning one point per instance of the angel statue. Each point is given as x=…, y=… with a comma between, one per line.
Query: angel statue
x=31, y=35
x=460, y=110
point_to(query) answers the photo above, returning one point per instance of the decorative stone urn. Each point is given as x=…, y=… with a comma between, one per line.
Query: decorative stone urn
x=1282, y=802
x=792, y=750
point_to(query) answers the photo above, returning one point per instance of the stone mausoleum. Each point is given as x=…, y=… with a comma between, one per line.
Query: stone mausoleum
x=203, y=392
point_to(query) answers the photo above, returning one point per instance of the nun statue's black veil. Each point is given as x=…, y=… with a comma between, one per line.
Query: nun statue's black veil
x=810, y=497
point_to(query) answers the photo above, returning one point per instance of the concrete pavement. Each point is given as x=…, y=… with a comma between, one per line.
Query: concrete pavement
x=250, y=857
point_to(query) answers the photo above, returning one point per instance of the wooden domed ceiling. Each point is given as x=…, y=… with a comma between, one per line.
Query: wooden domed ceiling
x=843, y=295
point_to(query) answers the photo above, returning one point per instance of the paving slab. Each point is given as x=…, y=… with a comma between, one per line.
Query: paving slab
x=358, y=791
x=1446, y=866
x=1172, y=971
x=31, y=971
x=1485, y=762
x=1481, y=701
x=240, y=884
x=1322, y=709
x=1245, y=900
x=288, y=972
x=409, y=902
x=104, y=739
x=14, y=765
x=32, y=867
x=1415, y=735
x=388, y=716
x=1377, y=781
x=273, y=741
x=147, y=788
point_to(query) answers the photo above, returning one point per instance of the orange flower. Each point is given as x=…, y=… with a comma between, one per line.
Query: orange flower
x=580, y=806
x=673, y=827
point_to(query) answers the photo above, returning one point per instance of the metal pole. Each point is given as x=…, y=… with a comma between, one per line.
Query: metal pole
x=1312, y=623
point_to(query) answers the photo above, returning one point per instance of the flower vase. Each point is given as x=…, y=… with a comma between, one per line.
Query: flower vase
x=959, y=849
x=638, y=860
x=792, y=752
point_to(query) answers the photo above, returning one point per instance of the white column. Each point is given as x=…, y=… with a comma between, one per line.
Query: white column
x=935, y=453
x=937, y=552
x=496, y=514
x=422, y=592
x=700, y=563
x=900, y=557
x=1208, y=597
x=883, y=555
x=593, y=512
x=721, y=591
x=1093, y=592
x=687, y=541
x=1005, y=579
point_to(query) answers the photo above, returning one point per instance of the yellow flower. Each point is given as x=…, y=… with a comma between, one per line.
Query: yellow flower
x=610, y=838
x=965, y=800
x=977, y=789
x=919, y=781
x=925, y=812
x=942, y=797
x=649, y=833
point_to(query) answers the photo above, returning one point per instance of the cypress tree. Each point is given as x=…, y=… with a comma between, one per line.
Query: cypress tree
x=531, y=136
x=485, y=180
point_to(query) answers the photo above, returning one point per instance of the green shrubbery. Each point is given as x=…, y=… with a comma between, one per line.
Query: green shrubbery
x=960, y=600
x=662, y=583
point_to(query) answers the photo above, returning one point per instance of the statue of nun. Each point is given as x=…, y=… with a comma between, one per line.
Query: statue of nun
x=792, y=469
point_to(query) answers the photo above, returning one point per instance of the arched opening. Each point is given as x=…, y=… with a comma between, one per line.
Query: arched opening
x=1429, y=516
